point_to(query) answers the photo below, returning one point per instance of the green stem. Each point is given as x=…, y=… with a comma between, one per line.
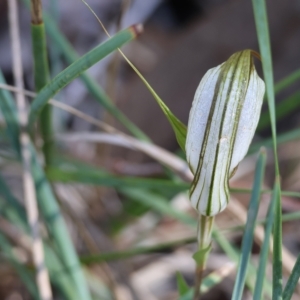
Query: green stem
x=41, y=78
x=205, y=225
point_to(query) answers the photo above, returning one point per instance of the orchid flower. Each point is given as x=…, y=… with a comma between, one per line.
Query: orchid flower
x=222, y=122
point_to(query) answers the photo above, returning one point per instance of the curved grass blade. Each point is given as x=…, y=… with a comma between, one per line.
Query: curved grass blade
x=71, y=56
x=64, y=47
x=249, y=229
x=292, y=281
x=263, y=258
x=78, y=67
x=179, y=128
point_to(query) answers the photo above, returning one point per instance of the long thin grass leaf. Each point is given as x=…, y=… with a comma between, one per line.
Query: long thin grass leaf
x=99, y=177
x=292, y=281
x=71, y=56
x=179, y=128
x=263, y=258
x=261, y=22
x=277, y=247
x=249, y=229
x=78, y=67
x=57, y=227
x=110, y=256
x=64, y=47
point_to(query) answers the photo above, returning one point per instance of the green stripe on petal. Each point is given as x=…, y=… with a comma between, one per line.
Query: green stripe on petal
x=222, y=122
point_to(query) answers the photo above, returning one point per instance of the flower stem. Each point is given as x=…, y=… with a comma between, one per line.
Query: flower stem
x=205, y=225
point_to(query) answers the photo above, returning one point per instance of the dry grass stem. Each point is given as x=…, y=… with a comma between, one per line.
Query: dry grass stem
x=165, y=157
x=116, y=137
x=42, y=277
x=36, y=12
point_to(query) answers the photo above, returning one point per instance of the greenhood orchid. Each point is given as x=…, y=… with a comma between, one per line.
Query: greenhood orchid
x=222, y=122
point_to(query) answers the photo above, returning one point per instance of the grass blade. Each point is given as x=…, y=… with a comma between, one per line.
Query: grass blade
x=249, y=229
x=71, y=56
x=111, y=256
x=57, y=227
x=277, y=244
x=234, y=254
x=103, y=178
x=78, y=67
x=261, y=22
x=179, y=128
x=292, y=281
x=263, y=258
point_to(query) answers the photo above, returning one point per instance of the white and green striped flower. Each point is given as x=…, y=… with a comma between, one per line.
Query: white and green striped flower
x=222, y=122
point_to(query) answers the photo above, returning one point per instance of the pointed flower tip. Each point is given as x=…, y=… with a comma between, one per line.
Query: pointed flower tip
x=222, y=122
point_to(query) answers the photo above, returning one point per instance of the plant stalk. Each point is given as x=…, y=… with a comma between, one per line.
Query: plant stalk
x=204, y=231
x=41, y=74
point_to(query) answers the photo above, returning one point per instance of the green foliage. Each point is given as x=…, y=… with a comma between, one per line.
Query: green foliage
x=77, y=68
x=182, y=286
x=179, y=128
x=250, y=225
x=140, y=195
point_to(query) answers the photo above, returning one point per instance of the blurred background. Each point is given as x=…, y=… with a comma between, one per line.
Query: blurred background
x=180, y=42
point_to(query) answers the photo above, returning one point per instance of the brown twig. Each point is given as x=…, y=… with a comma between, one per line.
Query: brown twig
x=36, y=12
